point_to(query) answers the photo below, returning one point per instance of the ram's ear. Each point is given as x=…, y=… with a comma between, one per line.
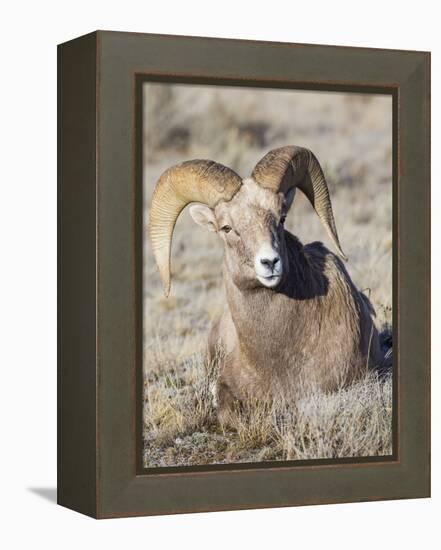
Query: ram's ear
x=289, y=197
x=203, y=215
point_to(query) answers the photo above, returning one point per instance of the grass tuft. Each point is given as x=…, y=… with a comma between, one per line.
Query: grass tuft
x=181, y=426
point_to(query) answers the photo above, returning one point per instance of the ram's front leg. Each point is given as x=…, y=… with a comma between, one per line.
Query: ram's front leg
x=223, y=396
x=225, y=404
x=229, y=390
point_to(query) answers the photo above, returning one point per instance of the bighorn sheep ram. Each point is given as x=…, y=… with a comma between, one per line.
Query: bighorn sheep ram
x=292, y=314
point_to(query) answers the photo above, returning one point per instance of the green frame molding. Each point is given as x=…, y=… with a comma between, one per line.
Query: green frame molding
x=100, y=316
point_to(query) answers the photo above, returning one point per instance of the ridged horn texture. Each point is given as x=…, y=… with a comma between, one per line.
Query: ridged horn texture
x=201, y=181
x=282, y=169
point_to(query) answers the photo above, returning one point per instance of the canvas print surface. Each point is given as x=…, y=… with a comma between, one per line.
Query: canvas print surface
x=267, y=307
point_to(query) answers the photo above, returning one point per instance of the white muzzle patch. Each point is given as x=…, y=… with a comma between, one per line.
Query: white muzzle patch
x=268, y=266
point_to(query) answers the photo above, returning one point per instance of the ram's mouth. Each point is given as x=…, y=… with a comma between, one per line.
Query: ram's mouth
x=270, y=281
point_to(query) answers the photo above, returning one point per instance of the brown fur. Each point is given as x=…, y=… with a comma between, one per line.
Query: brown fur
x=314, y=329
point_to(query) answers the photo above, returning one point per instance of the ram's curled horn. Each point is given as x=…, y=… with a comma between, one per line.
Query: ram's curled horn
x=282, y=169
x=201, y=181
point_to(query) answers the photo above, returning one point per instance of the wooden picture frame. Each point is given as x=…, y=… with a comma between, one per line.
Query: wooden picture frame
x=100, y=311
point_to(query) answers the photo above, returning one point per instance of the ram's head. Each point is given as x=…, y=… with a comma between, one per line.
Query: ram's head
x=248, y=214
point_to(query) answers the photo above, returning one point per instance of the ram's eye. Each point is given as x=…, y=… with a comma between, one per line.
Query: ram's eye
x=226, y=228
x=282, y=219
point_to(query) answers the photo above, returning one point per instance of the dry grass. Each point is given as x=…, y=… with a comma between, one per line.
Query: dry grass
x=181, y=426
x=351, y=136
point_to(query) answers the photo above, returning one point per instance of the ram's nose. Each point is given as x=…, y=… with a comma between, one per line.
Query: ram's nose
x=268, y=266
x=270, y=263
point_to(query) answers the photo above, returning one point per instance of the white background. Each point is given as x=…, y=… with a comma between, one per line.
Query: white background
x=29, y=34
